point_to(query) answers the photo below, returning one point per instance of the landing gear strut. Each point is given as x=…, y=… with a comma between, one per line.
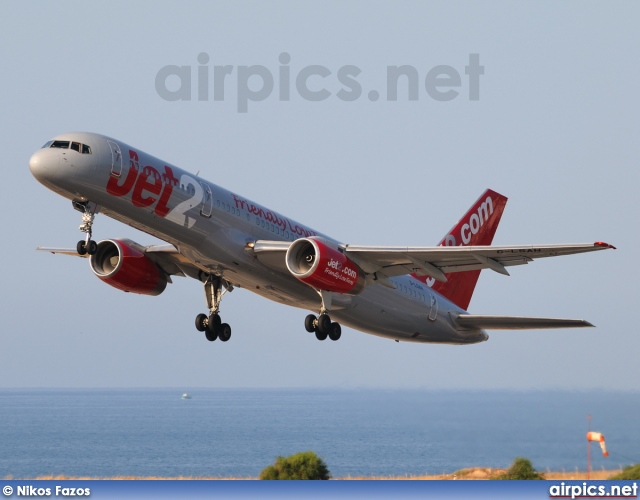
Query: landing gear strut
x=212, y=325
x=322, y=325
x=88, y=209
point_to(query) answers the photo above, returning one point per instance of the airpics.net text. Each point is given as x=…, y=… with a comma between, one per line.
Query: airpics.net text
x=312, y=83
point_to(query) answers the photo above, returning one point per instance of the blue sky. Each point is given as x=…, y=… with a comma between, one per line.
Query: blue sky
x=555, y=129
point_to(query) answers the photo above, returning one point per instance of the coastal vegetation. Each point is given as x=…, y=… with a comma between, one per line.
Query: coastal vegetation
x=630, y=473
x=521, y=469
x=471, y=473
x=304, y=465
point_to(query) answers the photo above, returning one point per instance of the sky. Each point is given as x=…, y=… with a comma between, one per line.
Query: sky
x=551, y=122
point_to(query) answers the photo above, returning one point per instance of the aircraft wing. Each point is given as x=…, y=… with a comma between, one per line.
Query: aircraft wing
x=62, y=251
x=433, y=261
x=165, y=256
x=488, y=322
x=440, y=260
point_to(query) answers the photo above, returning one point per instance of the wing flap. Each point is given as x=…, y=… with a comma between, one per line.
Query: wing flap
x=489, y=322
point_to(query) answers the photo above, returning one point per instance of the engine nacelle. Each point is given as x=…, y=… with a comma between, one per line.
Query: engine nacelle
x=324, y=268
x=120, y=264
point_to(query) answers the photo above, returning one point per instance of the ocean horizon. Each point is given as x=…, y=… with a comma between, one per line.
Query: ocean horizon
x=358, y=432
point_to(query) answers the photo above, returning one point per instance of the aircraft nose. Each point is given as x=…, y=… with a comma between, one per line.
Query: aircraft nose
x=44, y=163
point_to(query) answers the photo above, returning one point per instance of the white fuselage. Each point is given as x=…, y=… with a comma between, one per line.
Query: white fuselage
x=212, y=227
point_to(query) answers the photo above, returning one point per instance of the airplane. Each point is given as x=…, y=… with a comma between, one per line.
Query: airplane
x=411, y=294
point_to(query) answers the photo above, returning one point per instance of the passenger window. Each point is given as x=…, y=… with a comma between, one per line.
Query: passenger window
x=60, y=144
x=75, y=146
x=86, y=150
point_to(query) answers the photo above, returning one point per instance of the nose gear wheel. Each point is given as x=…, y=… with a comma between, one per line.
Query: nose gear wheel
x=89, y=210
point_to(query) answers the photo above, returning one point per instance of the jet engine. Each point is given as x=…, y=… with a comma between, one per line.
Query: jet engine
x=323, y=267
x=122, y=264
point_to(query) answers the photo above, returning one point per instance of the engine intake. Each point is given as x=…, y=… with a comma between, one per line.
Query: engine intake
x=324, y=268
x=121, y=264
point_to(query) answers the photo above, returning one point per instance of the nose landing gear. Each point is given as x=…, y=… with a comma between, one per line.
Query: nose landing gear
x=89, y=210
x=212, y=325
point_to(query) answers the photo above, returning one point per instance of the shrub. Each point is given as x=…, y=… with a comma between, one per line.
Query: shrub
x=520, y=469
x=305, y=465
x=629, y=473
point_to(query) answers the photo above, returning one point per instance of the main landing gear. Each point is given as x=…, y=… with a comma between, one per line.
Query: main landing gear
x=322, y=325
x=88, y=209
x=212, y=325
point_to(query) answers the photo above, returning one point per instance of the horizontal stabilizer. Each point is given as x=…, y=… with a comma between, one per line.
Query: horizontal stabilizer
x=487, y=322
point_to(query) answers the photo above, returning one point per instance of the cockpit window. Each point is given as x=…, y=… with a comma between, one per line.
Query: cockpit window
x=76, y=146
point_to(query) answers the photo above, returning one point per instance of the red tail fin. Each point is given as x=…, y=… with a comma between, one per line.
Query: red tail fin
x=476, y=227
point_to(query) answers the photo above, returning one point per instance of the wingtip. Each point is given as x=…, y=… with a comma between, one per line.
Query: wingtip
x=604, y=245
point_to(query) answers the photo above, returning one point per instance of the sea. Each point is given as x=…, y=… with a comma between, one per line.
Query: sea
x=357, y=432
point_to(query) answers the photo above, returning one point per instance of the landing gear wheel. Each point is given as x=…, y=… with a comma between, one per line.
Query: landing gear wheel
x=320, y=335
x=89, y=210
x=201, y=324
x=310, y=323
x=214, y=287
x=224, y=332
x=324, y=324
x=81, y=248
x=335, y=332
x=214, y=323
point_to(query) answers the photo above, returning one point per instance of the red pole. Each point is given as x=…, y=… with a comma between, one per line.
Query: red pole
x=588, y=448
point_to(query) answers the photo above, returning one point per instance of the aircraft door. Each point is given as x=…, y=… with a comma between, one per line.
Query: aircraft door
x=116, y=159
x=207, y=200
x=433, y=311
